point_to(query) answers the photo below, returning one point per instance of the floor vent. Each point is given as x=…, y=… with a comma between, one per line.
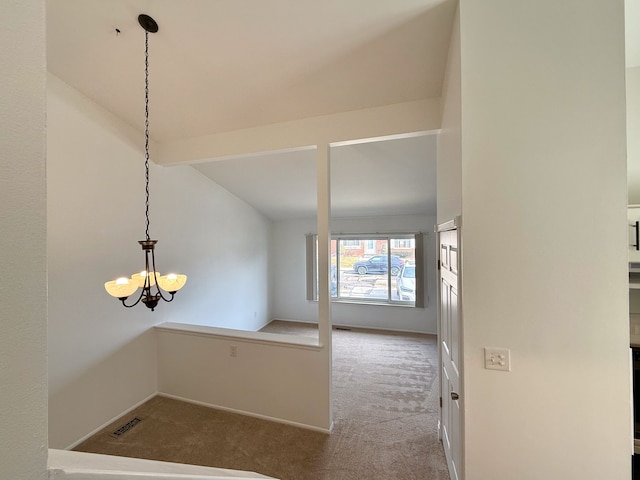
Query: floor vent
x=126, y=427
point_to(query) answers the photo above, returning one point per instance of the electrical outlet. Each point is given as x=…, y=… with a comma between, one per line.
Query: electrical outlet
x=233, y=351
x=497, y=359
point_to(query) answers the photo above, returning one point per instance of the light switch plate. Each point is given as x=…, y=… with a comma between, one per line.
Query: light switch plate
x=497, y=359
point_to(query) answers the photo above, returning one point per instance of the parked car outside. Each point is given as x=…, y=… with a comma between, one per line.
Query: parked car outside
x=378, y=264
x=406, y=283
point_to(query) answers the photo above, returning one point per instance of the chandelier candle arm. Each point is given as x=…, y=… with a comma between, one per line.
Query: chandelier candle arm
x=123, y=287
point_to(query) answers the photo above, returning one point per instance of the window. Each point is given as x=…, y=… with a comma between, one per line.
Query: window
x=351, y=243
x=370, y=246
x=407, y=243
x=371, y=269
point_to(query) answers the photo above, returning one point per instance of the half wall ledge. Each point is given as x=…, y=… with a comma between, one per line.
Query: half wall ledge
x=277, y=377
x=292, y=341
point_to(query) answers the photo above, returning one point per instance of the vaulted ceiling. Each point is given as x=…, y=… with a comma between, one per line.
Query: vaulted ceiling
x=223, y=65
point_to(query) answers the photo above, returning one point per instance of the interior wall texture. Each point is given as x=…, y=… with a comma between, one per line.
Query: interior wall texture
x=278, y=381
x=102, y=357
x=449, y=167
x=23, y=283
x=633, y=139
x=289, y=278
x=544, y=236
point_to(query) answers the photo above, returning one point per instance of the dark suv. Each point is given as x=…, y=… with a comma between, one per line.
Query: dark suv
x=378, y=264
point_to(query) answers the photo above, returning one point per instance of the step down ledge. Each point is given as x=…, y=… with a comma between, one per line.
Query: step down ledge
x=68, y=465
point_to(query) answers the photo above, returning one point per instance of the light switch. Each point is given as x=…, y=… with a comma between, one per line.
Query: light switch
x=497, y=359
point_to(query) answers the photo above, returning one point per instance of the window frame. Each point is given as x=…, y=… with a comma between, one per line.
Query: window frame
x=418, y=240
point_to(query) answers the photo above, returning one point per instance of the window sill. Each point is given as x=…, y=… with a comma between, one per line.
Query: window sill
x=358, y=301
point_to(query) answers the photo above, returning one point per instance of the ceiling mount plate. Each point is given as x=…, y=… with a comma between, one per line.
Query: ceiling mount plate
x=148, y=23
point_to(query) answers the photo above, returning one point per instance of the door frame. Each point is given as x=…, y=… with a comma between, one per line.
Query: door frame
x=454, y=224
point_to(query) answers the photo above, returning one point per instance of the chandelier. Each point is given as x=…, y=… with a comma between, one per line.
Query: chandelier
x=149, y=280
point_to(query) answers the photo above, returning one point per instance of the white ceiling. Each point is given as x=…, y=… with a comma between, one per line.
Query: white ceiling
x=390, y=177
x=224, y=65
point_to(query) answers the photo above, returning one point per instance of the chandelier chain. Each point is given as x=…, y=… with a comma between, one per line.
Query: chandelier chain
x=146, y=127
x=155, y=287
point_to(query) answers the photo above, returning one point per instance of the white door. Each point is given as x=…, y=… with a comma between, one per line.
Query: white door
x=449, y=338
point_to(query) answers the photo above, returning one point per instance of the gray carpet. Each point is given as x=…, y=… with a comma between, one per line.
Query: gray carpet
x=385, y=415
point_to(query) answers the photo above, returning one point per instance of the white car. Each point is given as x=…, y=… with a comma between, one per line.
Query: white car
x=406, y=283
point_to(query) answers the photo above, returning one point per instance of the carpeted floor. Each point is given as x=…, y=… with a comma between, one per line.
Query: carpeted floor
x=385, y=420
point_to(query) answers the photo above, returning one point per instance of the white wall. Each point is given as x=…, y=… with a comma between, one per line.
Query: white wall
x=102, y=357
x=23, y=287
x=633, y=139
x=544, y=238
x=449, y=144
x=221, y=243
x=289, y=300
x=289, y=276
x=270, y=376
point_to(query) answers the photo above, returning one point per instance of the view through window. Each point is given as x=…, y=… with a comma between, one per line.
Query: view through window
x=378, y=269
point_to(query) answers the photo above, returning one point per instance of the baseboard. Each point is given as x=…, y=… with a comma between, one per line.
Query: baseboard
x=93, y=432
x=292, y=321
x=249, y=414
x=264, y=325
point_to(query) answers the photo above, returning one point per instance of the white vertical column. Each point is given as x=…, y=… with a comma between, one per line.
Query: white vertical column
x=324, y=252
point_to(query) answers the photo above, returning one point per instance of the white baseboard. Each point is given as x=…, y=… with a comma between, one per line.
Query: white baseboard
x=291, y=320
x=250, y=414
x=93, y=432
x=263, y=325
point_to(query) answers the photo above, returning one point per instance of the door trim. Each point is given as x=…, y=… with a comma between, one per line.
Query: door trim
x=456, y=222
x=453, y=224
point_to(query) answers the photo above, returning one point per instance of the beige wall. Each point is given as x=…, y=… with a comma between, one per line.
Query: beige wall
x=544, y=261
x=23, y=283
